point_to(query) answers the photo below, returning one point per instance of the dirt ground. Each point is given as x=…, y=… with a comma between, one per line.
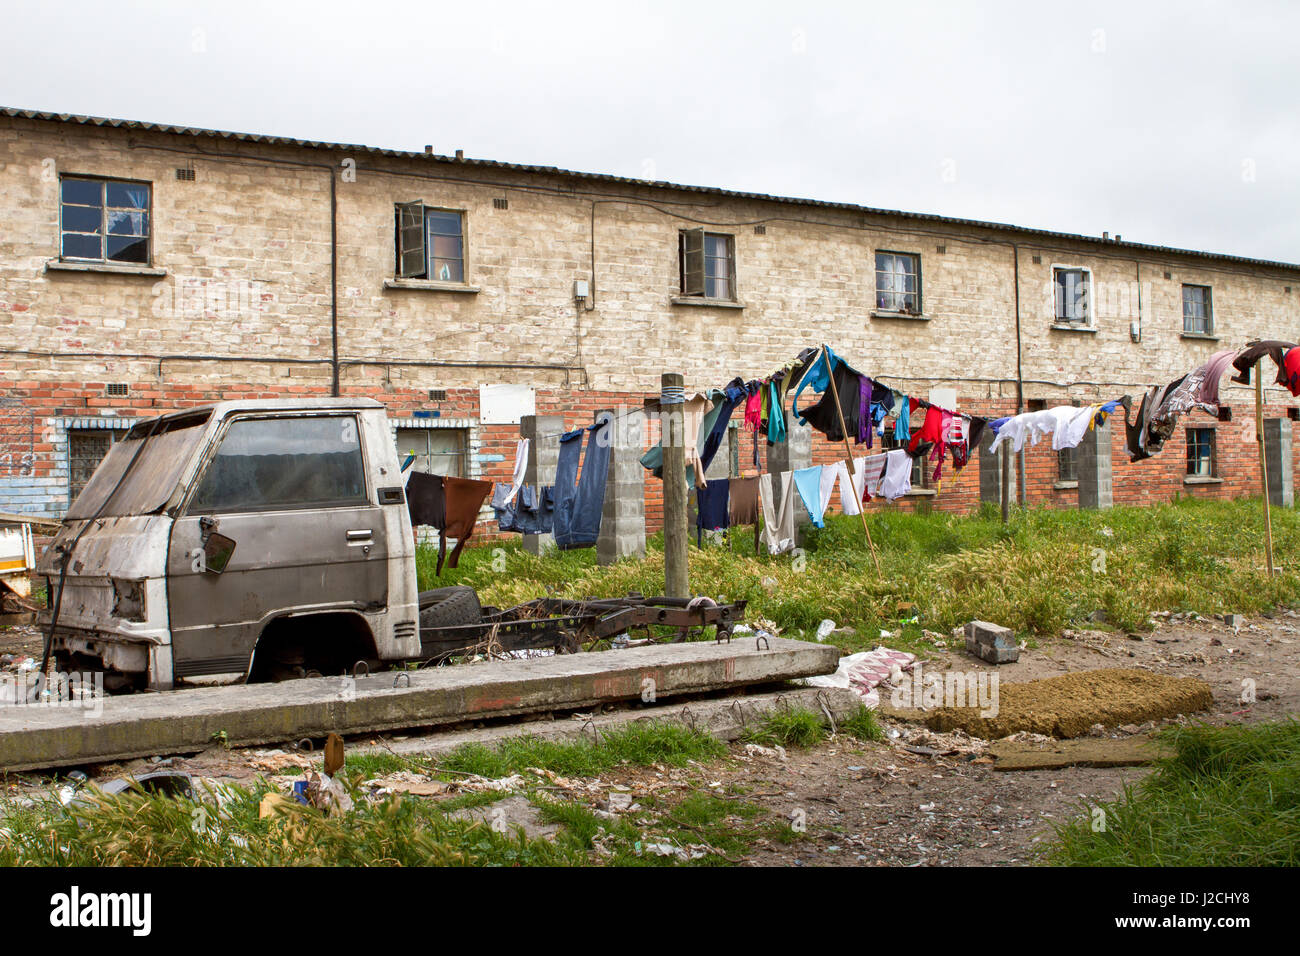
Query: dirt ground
x=940, y=802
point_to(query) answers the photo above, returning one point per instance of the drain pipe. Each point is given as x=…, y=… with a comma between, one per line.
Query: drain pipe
x=1020, y=377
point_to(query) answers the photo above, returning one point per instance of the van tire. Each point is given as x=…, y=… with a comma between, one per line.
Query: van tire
x=450, y=607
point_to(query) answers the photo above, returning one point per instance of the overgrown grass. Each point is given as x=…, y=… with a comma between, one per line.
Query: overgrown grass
x=1229, y=796
x=639, y=744
x=1042, y=572
x=864, y=726
x=789, y=727
x=223, y=827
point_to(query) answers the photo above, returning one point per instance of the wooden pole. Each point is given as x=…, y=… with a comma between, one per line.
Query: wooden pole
x=1263, y=469
x=848, y=455
x=674, y=438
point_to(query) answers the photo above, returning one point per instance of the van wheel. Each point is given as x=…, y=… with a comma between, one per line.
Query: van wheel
x=450, y=607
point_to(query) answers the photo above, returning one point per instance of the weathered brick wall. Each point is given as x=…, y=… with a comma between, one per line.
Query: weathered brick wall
x=241, y=269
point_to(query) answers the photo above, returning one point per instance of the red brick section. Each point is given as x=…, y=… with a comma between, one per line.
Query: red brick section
x=1153, y=480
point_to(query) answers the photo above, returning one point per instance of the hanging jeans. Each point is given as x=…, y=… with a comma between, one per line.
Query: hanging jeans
x=578, y=506
x=713, y=512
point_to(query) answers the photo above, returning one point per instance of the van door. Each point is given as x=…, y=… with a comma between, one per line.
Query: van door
x=292, y=494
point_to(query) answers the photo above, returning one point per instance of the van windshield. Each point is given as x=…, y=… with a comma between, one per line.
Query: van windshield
x=163, y=455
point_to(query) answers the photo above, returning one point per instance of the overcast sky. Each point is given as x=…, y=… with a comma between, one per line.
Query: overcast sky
x=1169, y=123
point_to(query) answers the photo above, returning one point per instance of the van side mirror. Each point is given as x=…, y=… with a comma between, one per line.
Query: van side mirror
x=217, y=550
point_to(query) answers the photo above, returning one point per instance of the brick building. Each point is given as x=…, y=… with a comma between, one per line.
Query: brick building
x=146, y=267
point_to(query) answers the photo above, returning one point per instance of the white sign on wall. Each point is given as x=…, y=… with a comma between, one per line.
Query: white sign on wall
x=505, y=404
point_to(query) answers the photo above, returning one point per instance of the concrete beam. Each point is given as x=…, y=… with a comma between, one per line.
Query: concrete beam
x=991, y=470
x=1093, y=465
x=1281, y=472
x=544, y=456
x=186, y=721
x=622, y=522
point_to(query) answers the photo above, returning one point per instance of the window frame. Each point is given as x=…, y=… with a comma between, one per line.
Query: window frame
x=1089, y=313
x=1208, y=318
x=103, y=259
x=462, y=436
x=114, y=436
x=683, y=273
x=399, y=272
x=1210, y=457
x=1070, y=475
x=876, y=272
x=214, y=449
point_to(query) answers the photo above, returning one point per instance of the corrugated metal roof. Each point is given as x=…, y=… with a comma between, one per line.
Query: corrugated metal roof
x=607, y=178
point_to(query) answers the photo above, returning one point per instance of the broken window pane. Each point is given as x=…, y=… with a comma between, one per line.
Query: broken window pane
x=92, y=210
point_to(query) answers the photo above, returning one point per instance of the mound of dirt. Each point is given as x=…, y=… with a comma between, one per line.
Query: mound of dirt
x=1068, y=705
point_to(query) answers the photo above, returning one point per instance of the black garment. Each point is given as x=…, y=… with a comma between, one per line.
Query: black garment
x=1254, y=351
x=823, y=417
x=976, y=430
x=425, y=501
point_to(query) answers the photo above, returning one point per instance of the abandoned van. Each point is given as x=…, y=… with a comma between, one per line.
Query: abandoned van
x=257, y=539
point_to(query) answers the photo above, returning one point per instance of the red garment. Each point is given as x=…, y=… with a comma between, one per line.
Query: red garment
x=931, y=429
x=754, y=410
x=1291, y=369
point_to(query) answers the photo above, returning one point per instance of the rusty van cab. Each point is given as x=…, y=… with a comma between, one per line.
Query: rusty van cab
x=249, y=538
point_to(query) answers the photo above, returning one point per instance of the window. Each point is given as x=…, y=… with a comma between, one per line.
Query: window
x=898, y=282
x=1200, y=452
x=1072, y=300
x=86, y=449
x=430, y=243
x=1067, y=465
x=708, y=264
x=437, y=451
x=267, y=464
x=1198, y=315
x=101, y=220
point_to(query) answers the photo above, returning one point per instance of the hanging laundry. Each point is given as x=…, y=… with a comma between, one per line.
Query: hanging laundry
x=1254, y=351
x=851, y=487
x=732, y=396
x=816, y=377
x=808, y=482
x=517, y=473
x=531, y=512
x=1207, y=395
x=743, y=504
x=931, y=430
x=448, y=504
x=825, y=414
x=712, y=512
x=896, y=479
x=872, y=469
x=976, y=430
x=778, y=516
x=775, y=416
x=903, y=421
x=697, y=422
x=1291, y=366
x=580, y=500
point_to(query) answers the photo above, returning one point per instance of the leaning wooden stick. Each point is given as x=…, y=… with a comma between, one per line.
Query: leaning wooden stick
x=1263, y=469
x=848, y=454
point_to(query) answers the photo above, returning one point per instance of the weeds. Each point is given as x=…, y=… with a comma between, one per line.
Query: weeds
x=1228, y=796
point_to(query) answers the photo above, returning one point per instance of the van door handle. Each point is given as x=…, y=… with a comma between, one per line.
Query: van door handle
x=363, y=534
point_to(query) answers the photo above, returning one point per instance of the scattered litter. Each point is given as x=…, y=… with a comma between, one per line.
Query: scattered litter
x=692, y=851
x=825, y=628
x=777, y=752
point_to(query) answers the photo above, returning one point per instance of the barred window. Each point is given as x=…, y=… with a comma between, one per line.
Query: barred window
x=1072, y=299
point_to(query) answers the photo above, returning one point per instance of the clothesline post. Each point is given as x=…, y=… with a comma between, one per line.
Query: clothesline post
x=673, y=427
x=848, y=455
x=1263, y=470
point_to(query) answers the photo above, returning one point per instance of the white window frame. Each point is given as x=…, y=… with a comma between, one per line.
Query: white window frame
x=1090, y=311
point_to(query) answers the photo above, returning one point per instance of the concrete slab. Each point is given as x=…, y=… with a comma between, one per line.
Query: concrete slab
x=187, y=721
x=1137, y=751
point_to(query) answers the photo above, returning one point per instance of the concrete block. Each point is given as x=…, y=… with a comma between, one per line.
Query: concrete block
x=992, y=642
x=1281, y=472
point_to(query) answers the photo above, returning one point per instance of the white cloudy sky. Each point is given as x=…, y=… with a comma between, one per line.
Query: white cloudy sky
x=1171, y=123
